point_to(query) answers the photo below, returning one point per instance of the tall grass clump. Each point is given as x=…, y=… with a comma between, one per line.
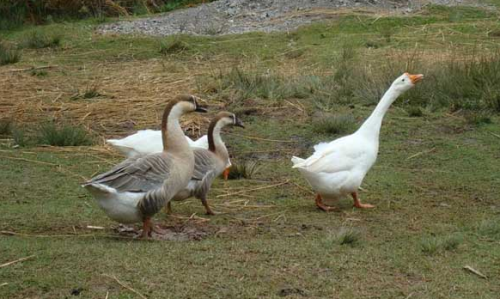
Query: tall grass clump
x=432, y=245
x=243, y=170
x=5, y=127
x=65, y=135
x=254, y=84
x=489, y=228
x=8, y=55
x=337, y=124
x=40, y=40
x=344, y=236
x=176, y=45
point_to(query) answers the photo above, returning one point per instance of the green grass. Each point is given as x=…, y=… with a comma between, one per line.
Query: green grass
x=8, y=55
x=337, y=124
x=40, y=40
x=435, y=183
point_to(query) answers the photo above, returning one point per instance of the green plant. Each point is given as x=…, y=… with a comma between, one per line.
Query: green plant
x=5, y=127
x=65, y=135
x=337, y=124
x=19, y=136
x=8, y=55
x=489, y=228
x=91, y=91
x=415, y=111
x=430, y=245
x=40, y=40
x=243, y=170
x=348, y=236
x=478, y=118
x=171, y=47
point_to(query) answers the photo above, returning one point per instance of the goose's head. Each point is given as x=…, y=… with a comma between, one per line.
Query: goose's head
x=406, y=81
x=228, y=119
x=188, y=103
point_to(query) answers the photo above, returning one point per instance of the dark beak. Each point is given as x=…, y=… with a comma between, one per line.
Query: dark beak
x=200, y=108
x=239, y=123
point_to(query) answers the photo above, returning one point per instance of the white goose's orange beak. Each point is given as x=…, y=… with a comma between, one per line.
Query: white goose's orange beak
x=415, y=78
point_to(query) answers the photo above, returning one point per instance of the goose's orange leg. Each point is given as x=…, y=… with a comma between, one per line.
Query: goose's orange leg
x=226, y=173
x=319, y=204
x=358, y=204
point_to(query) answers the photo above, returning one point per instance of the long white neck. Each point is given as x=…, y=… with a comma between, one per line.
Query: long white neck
x=371, y=127
x=173, y=137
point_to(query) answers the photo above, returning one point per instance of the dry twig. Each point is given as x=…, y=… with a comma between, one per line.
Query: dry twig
x=17, y=261
x=254, y=189
x=472, y=270
x=125, y=286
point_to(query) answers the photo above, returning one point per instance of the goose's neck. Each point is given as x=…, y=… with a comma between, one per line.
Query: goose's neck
x=171, y=131
x=371, y=127
x=215, y=143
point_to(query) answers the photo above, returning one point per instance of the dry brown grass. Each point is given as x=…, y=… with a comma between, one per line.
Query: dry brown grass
x=133, y=96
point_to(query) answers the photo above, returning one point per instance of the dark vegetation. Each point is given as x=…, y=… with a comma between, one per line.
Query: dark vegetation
x=14, y=13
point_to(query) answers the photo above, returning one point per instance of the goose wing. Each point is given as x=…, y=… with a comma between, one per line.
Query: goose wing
x=137, y=174
x=339, y=155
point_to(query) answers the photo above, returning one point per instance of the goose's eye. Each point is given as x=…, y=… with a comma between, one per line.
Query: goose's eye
x=403, y=80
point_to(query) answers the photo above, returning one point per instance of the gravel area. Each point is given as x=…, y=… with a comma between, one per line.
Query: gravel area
x=239, y=16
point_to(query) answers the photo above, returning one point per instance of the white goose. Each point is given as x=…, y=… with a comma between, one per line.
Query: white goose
x=337, y=168
x=136, y=189
x=149, y=142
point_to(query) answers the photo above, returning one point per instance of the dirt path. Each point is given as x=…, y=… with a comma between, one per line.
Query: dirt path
x=240, y=16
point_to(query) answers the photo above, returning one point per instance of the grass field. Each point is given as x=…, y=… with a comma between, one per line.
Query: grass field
x=435, y=183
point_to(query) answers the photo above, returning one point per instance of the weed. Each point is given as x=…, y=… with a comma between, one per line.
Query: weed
x=348, y=236
x=66, y=135
x=5, y=127
x=337, y=124
x=40, y=40
x=8, y=55
x=20, y=137
x=91, y=91
x=430, y=245
x=477, y=118
x=39, y=73
x=262, y=85
x=171, y=47
x=489, y=228
x=415, y=111
x=452, y=242
x=344, y=236
x=243, y=170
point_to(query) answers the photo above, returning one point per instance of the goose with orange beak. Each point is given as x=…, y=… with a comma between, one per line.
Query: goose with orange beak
x=337, y=168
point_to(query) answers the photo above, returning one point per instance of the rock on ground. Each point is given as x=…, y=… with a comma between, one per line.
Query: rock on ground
x=240, y=16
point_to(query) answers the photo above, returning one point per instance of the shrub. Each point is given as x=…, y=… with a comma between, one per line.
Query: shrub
x=66, y=135
x=8, y=55
x=338, y=124
x=172, y=47
x=40, y=40
x=5, y=127
x=245, y=170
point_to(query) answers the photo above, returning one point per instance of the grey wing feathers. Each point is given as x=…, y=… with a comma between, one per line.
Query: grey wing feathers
x=204, y=163
x=137, y=174
x=205, y=184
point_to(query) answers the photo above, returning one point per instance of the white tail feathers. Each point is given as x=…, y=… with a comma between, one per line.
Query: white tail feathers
x=297, y=162
x=99, y=189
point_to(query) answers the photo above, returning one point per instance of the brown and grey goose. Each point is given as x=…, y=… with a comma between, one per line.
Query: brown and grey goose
x=209, y=163
x=136, y=189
